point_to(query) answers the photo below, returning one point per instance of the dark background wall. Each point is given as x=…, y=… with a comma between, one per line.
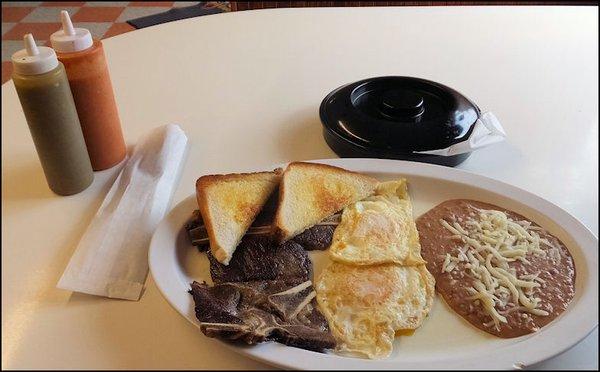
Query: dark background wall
x=247, y=5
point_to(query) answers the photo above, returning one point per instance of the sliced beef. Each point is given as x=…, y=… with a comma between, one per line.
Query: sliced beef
x=197, y=232
x=265, y=293
x=283, y=310
x=317, y=237
x=267, y=213
x=258, y=258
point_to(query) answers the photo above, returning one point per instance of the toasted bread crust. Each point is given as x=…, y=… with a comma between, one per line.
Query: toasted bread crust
x=279, y=231
x=248, y=213
x=210, y=179
x=204, y=210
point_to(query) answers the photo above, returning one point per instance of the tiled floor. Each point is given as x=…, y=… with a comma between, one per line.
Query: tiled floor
x=103, y=18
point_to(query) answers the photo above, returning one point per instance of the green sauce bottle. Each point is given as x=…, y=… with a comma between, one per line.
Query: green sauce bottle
x=43, y=89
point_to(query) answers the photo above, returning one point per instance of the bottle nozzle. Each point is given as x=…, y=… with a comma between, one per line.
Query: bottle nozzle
x=70, y=39
x=33, y=59
x=67, y=25
x=30, y=46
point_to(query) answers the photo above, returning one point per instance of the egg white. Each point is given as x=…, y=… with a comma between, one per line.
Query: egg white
x=379, y=229
x=366, y=305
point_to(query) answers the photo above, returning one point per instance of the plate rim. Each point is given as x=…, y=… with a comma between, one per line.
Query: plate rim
x=286, y=357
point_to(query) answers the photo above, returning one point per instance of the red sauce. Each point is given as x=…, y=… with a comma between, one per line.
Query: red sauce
x=93, y=95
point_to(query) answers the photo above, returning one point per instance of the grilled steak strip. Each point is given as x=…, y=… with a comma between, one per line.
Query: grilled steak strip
x=318, y=237
x=258, y=258
x=265, y=292
x=251, y=312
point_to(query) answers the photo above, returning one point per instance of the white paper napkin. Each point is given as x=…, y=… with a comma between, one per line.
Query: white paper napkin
x=111, y=258
x=487, y=131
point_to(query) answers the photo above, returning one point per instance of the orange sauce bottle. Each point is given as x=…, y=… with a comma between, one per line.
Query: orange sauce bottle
x=92, y=90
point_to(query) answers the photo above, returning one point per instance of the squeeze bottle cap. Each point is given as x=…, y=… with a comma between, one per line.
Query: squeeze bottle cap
x=34, y=60
x=70, y=39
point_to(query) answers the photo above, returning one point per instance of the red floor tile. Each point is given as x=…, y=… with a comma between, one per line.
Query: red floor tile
x=99, y=14
x=14, y=14
x=6, y=71
x=117, y=29
x=151, y=3
x=40, y=31
x=63, y=3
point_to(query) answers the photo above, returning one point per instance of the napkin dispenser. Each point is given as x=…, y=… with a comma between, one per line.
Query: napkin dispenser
x=407, y=118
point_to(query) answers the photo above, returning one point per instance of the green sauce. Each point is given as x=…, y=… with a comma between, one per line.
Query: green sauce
x=52, y=118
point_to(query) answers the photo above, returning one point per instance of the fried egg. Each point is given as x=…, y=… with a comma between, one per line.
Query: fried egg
x=379, y=229
x=366, y=305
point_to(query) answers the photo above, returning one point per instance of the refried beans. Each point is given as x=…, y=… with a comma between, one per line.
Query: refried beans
x=501, y=272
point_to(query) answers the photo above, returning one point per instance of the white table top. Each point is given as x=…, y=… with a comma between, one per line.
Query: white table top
x=246, y=88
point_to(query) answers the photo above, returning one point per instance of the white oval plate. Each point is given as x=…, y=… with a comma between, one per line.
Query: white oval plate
x=445, y=340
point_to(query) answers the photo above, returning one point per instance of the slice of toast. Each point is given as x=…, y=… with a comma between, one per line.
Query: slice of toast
x=229, y=203
x=310, y=192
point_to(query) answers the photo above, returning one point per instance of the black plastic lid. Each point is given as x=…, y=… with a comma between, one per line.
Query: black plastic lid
x=394, y=116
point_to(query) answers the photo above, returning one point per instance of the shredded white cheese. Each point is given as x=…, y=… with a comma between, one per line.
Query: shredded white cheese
x=492, y=240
